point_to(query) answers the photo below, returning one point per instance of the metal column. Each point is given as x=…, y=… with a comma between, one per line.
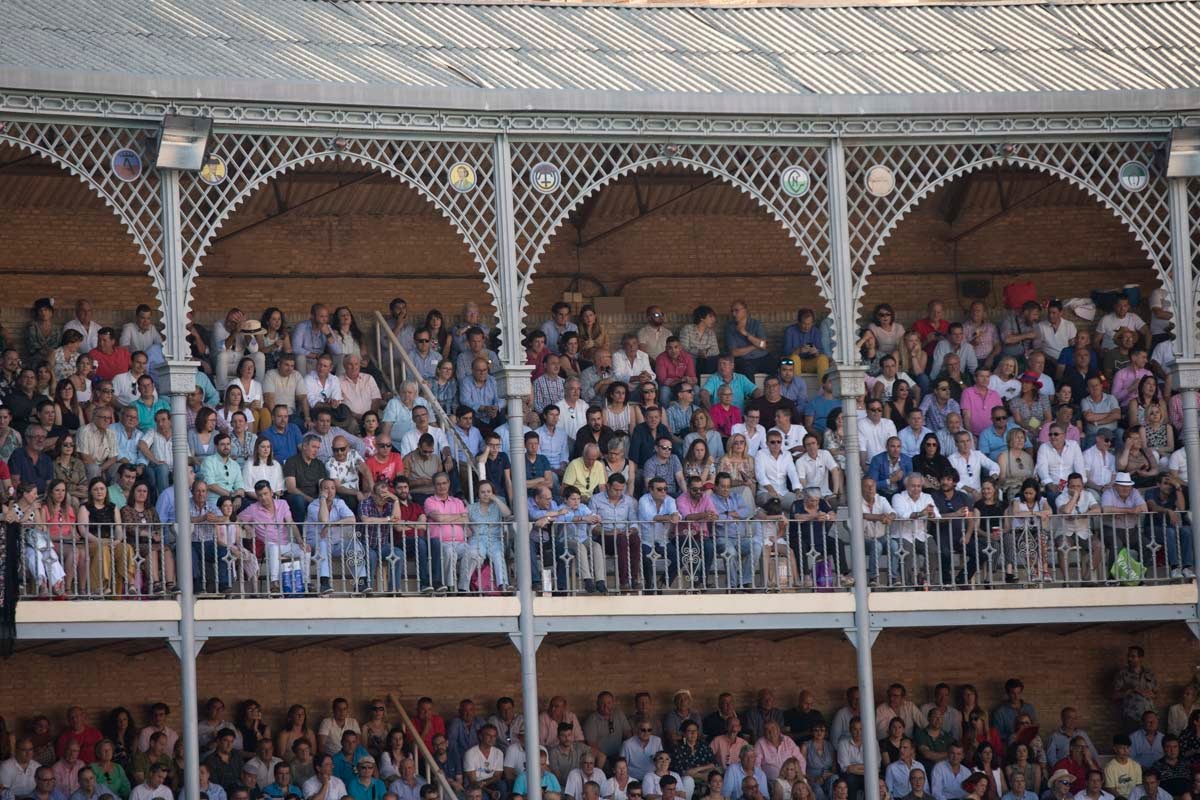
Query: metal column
x=517, y=386
x=178, y=379
x=850, y=378
x=1186, y=371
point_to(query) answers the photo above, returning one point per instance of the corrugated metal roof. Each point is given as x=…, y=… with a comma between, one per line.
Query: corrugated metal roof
x=455, y=54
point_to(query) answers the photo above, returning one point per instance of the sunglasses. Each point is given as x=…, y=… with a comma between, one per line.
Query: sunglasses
x=421, y=341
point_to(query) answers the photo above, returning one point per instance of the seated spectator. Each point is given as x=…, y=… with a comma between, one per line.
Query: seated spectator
x=1137, y=459
x=111, y=359
x=224, y=763
x=1054, y=332
x=1170, y=507
x=672, y=366
x=742, y=386
x=549, y=781
x=953, y=373
x=1121, y=317
x=1125, y=380
x=939, y=404
x=802, y=343
x=1175, y=774
x=914, y=433
x=154, y=787
x=913, y=507
x=874, y=431
x=1078, y=762
x=775, y=472
x=978, y=402
x=573, y=410
x=281, y=786
x=724, y=414
x=948, y=777
x=981, y=334
x=890, y=468
x=1150, y=788
x=567, y=753
x=743, y=774
x=548, y=388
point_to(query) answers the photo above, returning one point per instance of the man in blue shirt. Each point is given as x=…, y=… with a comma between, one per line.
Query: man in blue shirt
x=743, y=387
x=478, y=390
x=803, y=342
x=283, y=435
x=994, y=439
x=889, y=468
x=746, y=341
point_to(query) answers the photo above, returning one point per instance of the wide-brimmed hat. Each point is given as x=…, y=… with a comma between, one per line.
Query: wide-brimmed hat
x=1060, y=775
x=1031, y=377
x=1123, y=479
x=251, y=326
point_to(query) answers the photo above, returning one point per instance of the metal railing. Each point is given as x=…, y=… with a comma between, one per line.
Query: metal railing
x=65, y=560
x=395, y=351
x=313, y=558
x=135, y=561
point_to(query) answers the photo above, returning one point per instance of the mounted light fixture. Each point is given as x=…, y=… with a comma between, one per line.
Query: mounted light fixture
x=1183, y=156
x=182, y=142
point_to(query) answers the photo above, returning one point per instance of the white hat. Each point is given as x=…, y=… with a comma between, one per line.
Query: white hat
x=1123, y=479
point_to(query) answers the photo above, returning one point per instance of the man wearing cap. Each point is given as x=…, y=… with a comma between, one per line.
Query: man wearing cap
x=1058, y=787
x=1125, y=504
x=233, y=338
x=1122, y=773
x=364, y=785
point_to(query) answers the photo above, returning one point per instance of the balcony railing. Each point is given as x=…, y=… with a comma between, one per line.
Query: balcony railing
x=135, y=561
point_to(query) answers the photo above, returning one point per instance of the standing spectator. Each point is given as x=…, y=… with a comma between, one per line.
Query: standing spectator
x=1135, y=686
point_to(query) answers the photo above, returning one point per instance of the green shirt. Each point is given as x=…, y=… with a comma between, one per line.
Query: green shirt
x=116, y=779
x=941, y=744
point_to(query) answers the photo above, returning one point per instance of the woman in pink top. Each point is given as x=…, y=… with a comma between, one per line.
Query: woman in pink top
x=725, y=414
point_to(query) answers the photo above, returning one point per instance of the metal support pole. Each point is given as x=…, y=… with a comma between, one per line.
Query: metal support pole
x=517, y=386
x=178, y=377
x=1186, y=370
x=850, y=382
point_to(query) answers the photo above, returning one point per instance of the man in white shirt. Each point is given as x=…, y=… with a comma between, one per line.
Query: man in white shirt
x=322, y=388
x=1077, y=507
x=153, y=788
x=873, y=432
x=1056, y=460
x=284, y=384
x=631, y=364
x=572, y=408
x=1054, y=332
x=421, y=426
x=756, y=435
x=793, y=433
x=17, y=774
x=775, y=471
x=141, y=334
x=1161, y=312
x=359, y=390
x=85, y=326
x=264, y=762
x=324, y=785
x=897, y=705
x=877, y=515
x=971, y=465
x=329, y=735
x=1120, y=317
x=913, y=509
x=483, y=764
x=125, y=388
x=817, y=467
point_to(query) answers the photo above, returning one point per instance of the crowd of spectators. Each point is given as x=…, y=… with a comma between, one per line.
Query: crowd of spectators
x=948, y=748
x=639, y=446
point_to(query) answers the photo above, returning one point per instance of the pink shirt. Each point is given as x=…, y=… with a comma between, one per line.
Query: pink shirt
x=771, y=758
x=1125, y=383
x=724, y=419
x=269, y=525
x=451, y=505
x=685, y=505
x=980, y=408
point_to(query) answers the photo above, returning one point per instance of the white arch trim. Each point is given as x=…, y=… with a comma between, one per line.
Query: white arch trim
x=699, y=166
x=860, y=281
x=311, y=158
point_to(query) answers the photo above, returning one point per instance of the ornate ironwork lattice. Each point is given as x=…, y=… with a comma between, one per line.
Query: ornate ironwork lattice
x=87, y=151
x=586, y=167
x=919, y=169
x=1194, y=220
x=252, y=160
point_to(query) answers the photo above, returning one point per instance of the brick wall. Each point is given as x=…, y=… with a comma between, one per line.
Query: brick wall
x=1058, y=667
x=705, y=258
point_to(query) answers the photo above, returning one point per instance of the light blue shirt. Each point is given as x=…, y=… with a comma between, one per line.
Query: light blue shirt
x=742, y=387
x=910, y=443
x=476, y=397
x=473, y=439
x=945, y=785
x=992, y=444
x=733, y=780
x=127, y=446
x=554, y=446
x=225, y=473
x=578, y=532
x=897, y=777
x=553, y=334
x=1144, y=751
x=655, y=533
x=308, y=343
x=725, y=505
